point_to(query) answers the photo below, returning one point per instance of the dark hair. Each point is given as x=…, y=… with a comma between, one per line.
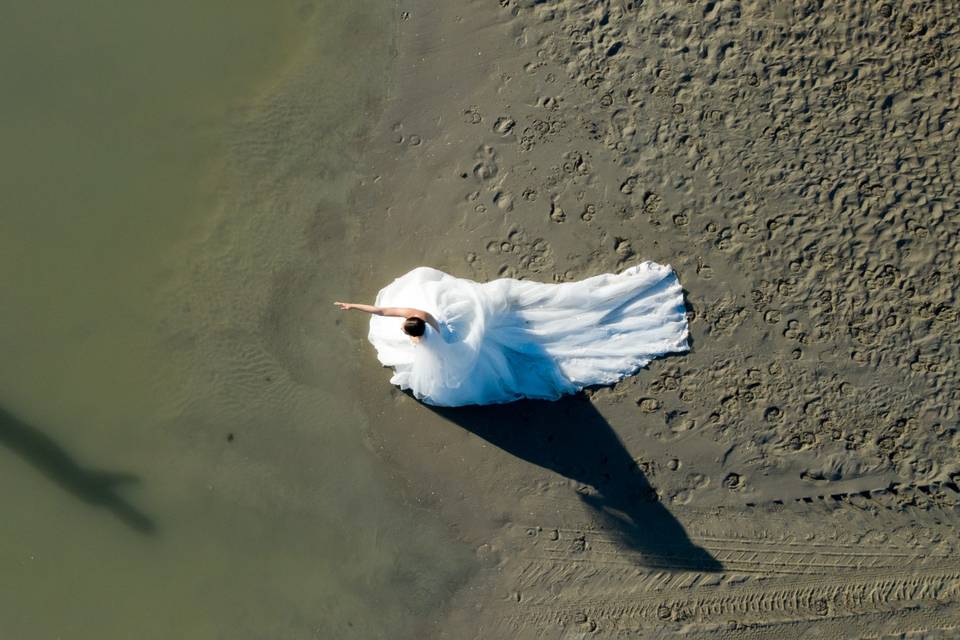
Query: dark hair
x=414, y=326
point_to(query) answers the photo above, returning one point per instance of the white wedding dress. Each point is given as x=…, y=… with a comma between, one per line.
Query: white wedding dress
x=508, y=339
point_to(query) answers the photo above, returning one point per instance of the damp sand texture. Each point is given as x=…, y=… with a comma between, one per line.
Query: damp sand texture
x=795, y=474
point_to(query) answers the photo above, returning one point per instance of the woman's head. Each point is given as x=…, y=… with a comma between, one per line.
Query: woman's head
x=414, y=326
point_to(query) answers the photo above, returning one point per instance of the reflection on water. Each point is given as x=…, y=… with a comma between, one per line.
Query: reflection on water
x=179, y=456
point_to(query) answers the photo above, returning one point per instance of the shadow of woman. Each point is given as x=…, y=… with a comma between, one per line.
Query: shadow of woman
x=98, y=488
x=528, y=332
x=570, y=437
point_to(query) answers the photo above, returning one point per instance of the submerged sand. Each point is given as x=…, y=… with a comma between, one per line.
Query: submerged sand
x=794, y=475
x=179, y=454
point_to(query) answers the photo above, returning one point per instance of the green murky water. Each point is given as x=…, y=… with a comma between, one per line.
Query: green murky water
x=179, y=456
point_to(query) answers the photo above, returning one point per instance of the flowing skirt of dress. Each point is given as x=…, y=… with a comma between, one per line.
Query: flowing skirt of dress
x=508, y=339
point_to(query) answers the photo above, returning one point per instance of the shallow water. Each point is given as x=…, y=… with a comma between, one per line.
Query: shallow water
x=179, y=453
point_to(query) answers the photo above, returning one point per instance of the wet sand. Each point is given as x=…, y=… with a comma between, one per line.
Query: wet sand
x=795, y=474
x=196, y=444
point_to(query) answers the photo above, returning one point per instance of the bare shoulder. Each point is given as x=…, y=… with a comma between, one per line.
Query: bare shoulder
x=427, y=317
x=410, y=312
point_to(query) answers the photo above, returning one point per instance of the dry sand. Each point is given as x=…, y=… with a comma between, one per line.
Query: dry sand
x=794, y=475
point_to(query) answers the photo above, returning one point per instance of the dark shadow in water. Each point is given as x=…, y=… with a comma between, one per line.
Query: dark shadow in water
x=570, y=437
x=98, y=488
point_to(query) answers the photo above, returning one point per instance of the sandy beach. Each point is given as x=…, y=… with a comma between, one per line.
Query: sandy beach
x=196, y=444
x=794, y=475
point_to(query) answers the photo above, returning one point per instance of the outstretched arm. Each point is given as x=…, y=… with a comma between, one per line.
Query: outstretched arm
x=366, y=308
x=400, y=312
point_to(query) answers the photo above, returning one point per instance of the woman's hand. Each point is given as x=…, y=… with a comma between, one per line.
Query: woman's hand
x=344, y=306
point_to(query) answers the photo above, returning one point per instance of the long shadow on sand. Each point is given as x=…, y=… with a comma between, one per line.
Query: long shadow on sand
x=570, y=437
x=98, y=488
